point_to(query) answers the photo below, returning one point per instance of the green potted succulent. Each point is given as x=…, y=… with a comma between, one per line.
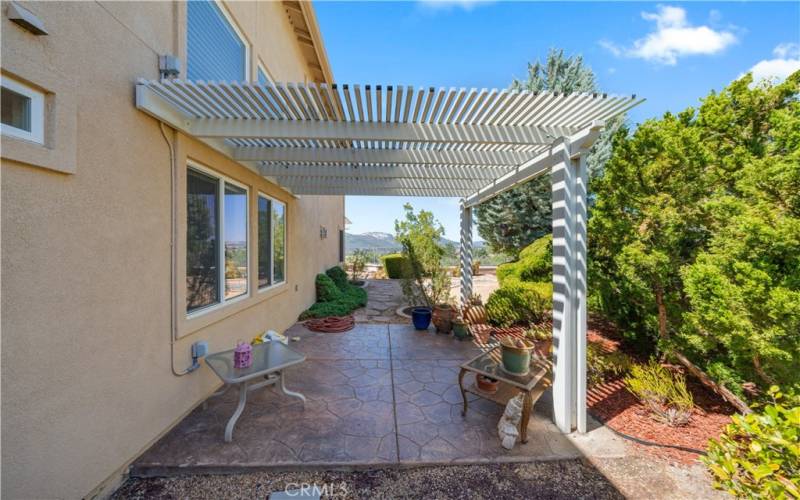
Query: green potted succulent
x=516, y=354
x=460, y=328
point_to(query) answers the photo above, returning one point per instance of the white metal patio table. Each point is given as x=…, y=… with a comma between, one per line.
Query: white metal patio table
x=269, y=362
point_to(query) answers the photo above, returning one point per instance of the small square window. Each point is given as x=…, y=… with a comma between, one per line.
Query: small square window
x=22, y=111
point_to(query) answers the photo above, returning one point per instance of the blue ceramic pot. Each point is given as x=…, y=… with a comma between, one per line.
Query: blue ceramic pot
x=421, y=317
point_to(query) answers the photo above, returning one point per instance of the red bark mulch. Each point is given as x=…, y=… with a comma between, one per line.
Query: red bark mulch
x=622, y=411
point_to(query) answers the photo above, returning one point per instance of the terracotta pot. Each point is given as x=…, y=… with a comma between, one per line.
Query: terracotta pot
x=443, y=318
x=486, y=384
x=475, y=315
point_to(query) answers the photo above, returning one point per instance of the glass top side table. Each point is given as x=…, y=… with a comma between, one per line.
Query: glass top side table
x=532, y=385
x=269, y=361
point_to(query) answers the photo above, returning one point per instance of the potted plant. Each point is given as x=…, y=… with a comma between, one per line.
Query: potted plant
x=476, y=267
x=516, y=354
x=473, y=311
x=460, y=328
x=425, y=283
x=486, y=384
x=421, y=317
x=357, y=262
x=542, y=336
x=443, y=318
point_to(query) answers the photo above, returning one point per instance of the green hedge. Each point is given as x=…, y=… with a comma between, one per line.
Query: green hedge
x=335, y=296
x=535, y=263
x=519, y=302
x=395, y=265
x=339, y=277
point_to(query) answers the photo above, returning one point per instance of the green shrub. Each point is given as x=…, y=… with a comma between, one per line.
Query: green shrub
x=535, y=263
x=327, y=291
x=758, y=455
x=339, y=277
x=663, y=393
x=324, y=309
x=395, y=265
x=519, y=302
x=601, y=364
x=333, y=300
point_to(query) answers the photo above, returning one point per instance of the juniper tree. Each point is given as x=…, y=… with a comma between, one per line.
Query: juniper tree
x=521, y=215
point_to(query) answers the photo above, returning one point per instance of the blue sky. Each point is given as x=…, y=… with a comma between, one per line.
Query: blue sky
x=670, y=53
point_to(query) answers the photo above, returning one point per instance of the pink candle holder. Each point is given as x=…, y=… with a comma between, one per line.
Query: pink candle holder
x=242, y=355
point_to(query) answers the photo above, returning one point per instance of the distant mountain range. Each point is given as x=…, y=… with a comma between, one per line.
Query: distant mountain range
x=383, y=242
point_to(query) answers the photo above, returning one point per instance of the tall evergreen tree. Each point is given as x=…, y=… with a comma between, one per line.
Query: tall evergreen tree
x=517, y=217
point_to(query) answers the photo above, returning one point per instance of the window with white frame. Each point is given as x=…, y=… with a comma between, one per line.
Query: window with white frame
x=271, y=242
x=215, y=48
x=216, y=240
x=22, y=110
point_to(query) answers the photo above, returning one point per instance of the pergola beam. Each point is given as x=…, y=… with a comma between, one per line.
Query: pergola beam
x=561, y=150
x=384, y=171
x=378, y=156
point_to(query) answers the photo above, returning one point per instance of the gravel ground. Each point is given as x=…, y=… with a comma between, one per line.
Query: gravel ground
x=558, y=479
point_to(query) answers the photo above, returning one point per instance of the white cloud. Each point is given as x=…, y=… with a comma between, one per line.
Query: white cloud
x=786, y=62
x=450, y=4
x=673, y=38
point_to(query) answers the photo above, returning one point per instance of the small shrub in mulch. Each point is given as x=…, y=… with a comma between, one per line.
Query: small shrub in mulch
x=621, y=411
x=612, y=403
x=664, y=393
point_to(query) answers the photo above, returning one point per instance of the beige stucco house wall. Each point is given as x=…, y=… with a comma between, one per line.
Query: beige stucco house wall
x=87, y=378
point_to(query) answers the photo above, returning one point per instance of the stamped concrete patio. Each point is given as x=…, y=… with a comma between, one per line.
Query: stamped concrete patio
x=381, y=394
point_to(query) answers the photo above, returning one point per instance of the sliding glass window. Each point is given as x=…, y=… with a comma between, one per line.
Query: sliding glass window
x=271, y=242
x=235, y=228
x=216, y=212
x=278, y=242
x=264, y=242
x=202, y=240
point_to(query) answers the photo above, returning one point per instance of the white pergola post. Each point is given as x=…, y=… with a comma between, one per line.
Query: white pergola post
x=569, y=179
x=466, y=252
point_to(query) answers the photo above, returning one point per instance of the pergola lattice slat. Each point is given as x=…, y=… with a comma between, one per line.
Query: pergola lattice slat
x=487, y=173
x=372, y=156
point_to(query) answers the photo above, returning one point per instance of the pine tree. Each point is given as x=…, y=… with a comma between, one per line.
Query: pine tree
x=521, y=215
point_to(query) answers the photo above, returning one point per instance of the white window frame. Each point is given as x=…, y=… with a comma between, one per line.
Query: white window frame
x=37, y=112
x=222, y=180
x=272, y=284
x=240, y=34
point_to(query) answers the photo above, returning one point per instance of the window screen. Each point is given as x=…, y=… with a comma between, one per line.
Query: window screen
x=278, y=242
x=235, y=228
x=264, y=242
x=202, y=239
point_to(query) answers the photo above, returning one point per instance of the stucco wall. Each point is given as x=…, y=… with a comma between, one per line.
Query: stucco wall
x=86, y=377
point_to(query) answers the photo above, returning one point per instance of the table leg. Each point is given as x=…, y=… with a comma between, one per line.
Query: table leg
x=527, y=408
x=237, y=413
x=290, y=393
x=463, y=392
x=218, y=393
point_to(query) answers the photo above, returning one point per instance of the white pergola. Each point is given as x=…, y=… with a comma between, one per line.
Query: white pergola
x=318, y=139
